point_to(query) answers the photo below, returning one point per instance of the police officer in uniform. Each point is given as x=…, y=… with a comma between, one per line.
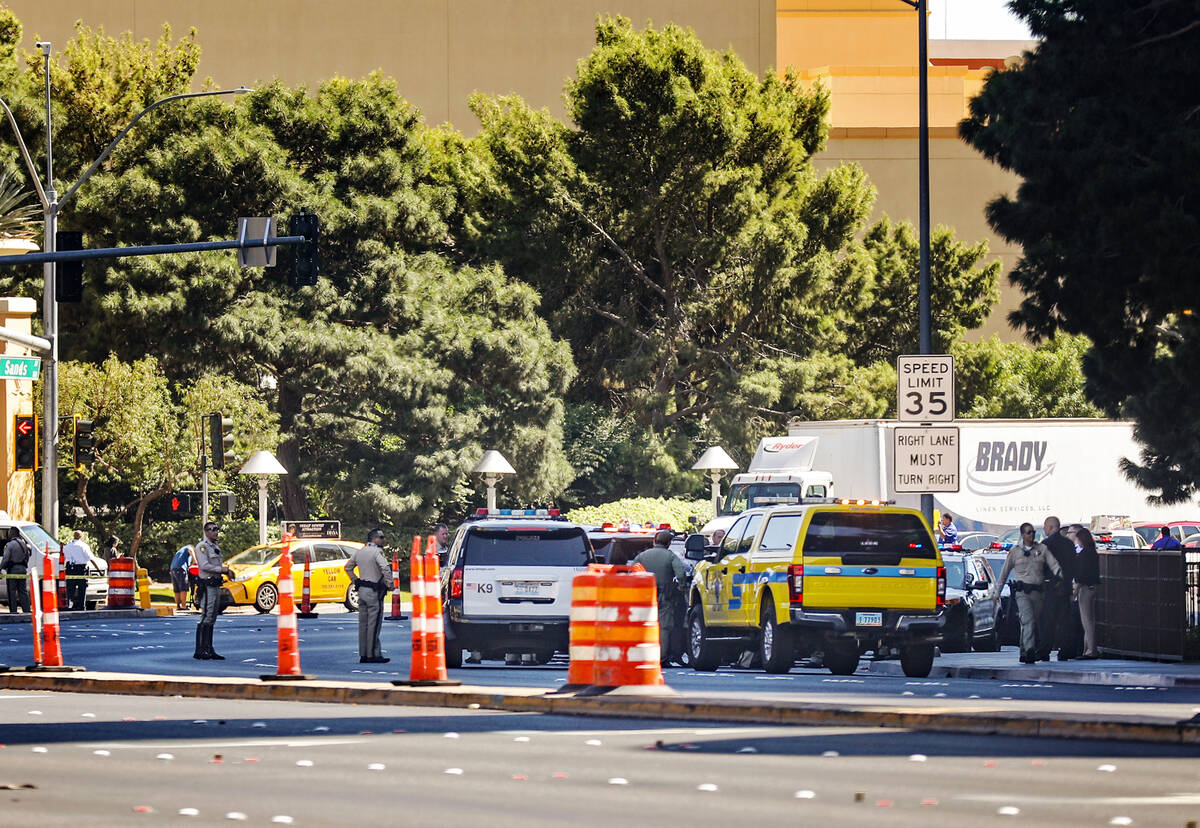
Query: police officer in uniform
x=668, y=572
x=16, y=562
x=1027, y=561
x=211, y=568
x=372, y=583
x=1058, y=626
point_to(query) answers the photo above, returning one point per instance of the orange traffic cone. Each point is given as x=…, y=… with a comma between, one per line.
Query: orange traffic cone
x=397, y=608
x=62, y=579
x=585, y=605
x=51, y=647
x=289, y=646
x=428, y=666
x=306, y=610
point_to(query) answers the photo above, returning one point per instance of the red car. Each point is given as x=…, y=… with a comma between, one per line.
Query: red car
x=1179, y=528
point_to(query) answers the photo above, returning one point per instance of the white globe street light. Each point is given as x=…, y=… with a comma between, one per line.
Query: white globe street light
x=262, y=464
x=493, y=467
x=715, y=461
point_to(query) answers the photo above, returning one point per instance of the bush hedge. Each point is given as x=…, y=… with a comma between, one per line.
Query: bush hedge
x=679, y=512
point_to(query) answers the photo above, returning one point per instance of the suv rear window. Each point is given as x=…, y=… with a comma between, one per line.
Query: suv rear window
x=527, y=547
x=870, y=533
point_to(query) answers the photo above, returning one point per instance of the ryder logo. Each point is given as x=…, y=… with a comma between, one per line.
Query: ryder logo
x=1004, y=467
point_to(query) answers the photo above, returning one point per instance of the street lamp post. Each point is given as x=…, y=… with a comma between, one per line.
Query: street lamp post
x=51, y=207
x=493, y=466
x=262, y=464
x=715, y=461
x=923, y=283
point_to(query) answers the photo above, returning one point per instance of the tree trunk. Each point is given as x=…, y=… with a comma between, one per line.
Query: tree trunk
x=295, y=499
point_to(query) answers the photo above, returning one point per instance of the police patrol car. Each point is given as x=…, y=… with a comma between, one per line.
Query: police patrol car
x=837, y=578
x=507, y=585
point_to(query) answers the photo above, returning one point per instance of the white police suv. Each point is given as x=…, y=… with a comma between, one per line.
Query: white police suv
x=506, y=589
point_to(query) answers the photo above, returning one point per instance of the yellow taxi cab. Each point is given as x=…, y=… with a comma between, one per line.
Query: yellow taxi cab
x=837, y=579
x=256, y=574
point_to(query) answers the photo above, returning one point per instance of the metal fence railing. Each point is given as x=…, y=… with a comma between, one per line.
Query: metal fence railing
x=1147, y=600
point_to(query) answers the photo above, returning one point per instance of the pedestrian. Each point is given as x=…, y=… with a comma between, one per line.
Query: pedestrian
x=211, y=568
x=15, y=562
x=441, y=534
x=1087, y=578
x=1058, y=626
x=110, y=548
x=1027, y=561
x=78, y=556
x=669, y=578
x=1166, y=540
x=184, y=556
x=372, y=582
x=717, y=537
x=947, y=532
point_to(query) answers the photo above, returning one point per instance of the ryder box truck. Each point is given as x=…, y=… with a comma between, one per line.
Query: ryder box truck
x=1010, y=471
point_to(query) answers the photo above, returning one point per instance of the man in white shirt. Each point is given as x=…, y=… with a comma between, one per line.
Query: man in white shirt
x=78, y=557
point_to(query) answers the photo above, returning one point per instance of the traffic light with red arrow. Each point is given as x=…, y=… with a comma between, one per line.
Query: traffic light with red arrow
x=25, y=448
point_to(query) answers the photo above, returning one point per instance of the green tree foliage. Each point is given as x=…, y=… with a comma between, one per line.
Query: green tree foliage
x=1100, y=122
x=711, y=281
x=388, y=378
x=147, y=432
x=1015, y=380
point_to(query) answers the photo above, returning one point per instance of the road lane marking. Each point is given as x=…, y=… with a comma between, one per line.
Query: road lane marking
x=1164, y=799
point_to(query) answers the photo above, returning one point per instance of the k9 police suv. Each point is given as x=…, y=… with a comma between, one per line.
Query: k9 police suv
x=835, y=578
x=507, y=585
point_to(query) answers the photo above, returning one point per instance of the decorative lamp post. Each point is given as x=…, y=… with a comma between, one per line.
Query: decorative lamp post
x=493, y=467
x=263, y=464
x=715, y=461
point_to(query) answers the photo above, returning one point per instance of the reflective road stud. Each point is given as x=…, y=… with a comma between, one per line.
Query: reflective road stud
x=289, y=647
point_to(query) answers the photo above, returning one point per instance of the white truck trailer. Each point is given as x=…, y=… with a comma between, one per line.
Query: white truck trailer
x=1010, y=471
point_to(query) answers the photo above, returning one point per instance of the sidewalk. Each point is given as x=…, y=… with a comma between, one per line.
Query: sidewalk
x=1005, y=666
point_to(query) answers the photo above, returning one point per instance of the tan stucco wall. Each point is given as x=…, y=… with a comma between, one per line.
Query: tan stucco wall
x=17, y=493
x=440, y=51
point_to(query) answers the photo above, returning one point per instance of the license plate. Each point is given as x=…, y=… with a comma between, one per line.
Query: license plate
x=868, y=619
x=526, y=589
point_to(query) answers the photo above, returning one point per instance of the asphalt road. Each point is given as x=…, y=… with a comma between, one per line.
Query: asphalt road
x=71, y=759
x=328, y=648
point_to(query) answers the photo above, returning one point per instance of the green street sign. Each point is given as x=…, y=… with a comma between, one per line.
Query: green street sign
x=20, y=368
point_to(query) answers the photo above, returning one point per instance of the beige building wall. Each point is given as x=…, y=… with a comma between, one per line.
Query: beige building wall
x=17, y=493
x=440, y=51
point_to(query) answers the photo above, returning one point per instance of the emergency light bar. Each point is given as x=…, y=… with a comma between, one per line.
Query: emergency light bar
x=518, y=513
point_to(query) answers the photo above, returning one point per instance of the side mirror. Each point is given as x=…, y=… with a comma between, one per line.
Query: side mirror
x=694, y=543
x=979, y=583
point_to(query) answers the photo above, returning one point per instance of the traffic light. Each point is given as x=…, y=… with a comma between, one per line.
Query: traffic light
x=85, y=444
x=179, y=505
x=25, y=448
x=306, y=263
x=220, y=432
x=68, y=283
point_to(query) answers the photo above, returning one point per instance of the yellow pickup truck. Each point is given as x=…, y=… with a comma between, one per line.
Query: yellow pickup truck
x=835, y=579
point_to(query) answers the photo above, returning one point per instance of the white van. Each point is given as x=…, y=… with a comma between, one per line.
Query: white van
x=97, y=587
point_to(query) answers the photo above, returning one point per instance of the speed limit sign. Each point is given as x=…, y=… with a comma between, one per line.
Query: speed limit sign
x=925, y=388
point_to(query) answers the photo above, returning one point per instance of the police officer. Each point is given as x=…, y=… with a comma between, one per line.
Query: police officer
x=372, y=583
x=1027, y=561
x=1059, y=626
x=669, y=574
x=16, y=562
x=211, y=568
x=78, y=556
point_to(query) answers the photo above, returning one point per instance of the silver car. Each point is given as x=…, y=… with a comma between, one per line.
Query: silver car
x=96, y=595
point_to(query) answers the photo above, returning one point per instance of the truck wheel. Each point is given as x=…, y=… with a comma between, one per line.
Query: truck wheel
x=704, y=654
x=916, y=660
x=990, y=643
x=266, y=598
x=842, y=658
x=776, y=644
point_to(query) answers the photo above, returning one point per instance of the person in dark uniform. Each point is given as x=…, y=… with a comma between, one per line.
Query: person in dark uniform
x=208, y=560
x=1058, y=626
x=16, y=562
x=669, y=572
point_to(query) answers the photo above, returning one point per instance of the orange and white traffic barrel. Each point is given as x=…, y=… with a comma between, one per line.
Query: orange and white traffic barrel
x=51, y=645
x=121, y=583
x=585, y=606
x=627, y=635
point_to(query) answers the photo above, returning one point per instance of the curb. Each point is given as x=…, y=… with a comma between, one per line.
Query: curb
x=1096, y=677
x=535, y=700
x=86, y=615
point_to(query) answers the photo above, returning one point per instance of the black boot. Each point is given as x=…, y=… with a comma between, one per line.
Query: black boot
x=208, y=645
x=201, y=653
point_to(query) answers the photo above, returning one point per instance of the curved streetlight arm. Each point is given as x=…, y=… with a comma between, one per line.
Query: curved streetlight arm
x=241, y=90
x=33, y=173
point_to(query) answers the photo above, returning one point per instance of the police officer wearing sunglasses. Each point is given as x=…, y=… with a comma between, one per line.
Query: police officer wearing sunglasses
x=1027, y=562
